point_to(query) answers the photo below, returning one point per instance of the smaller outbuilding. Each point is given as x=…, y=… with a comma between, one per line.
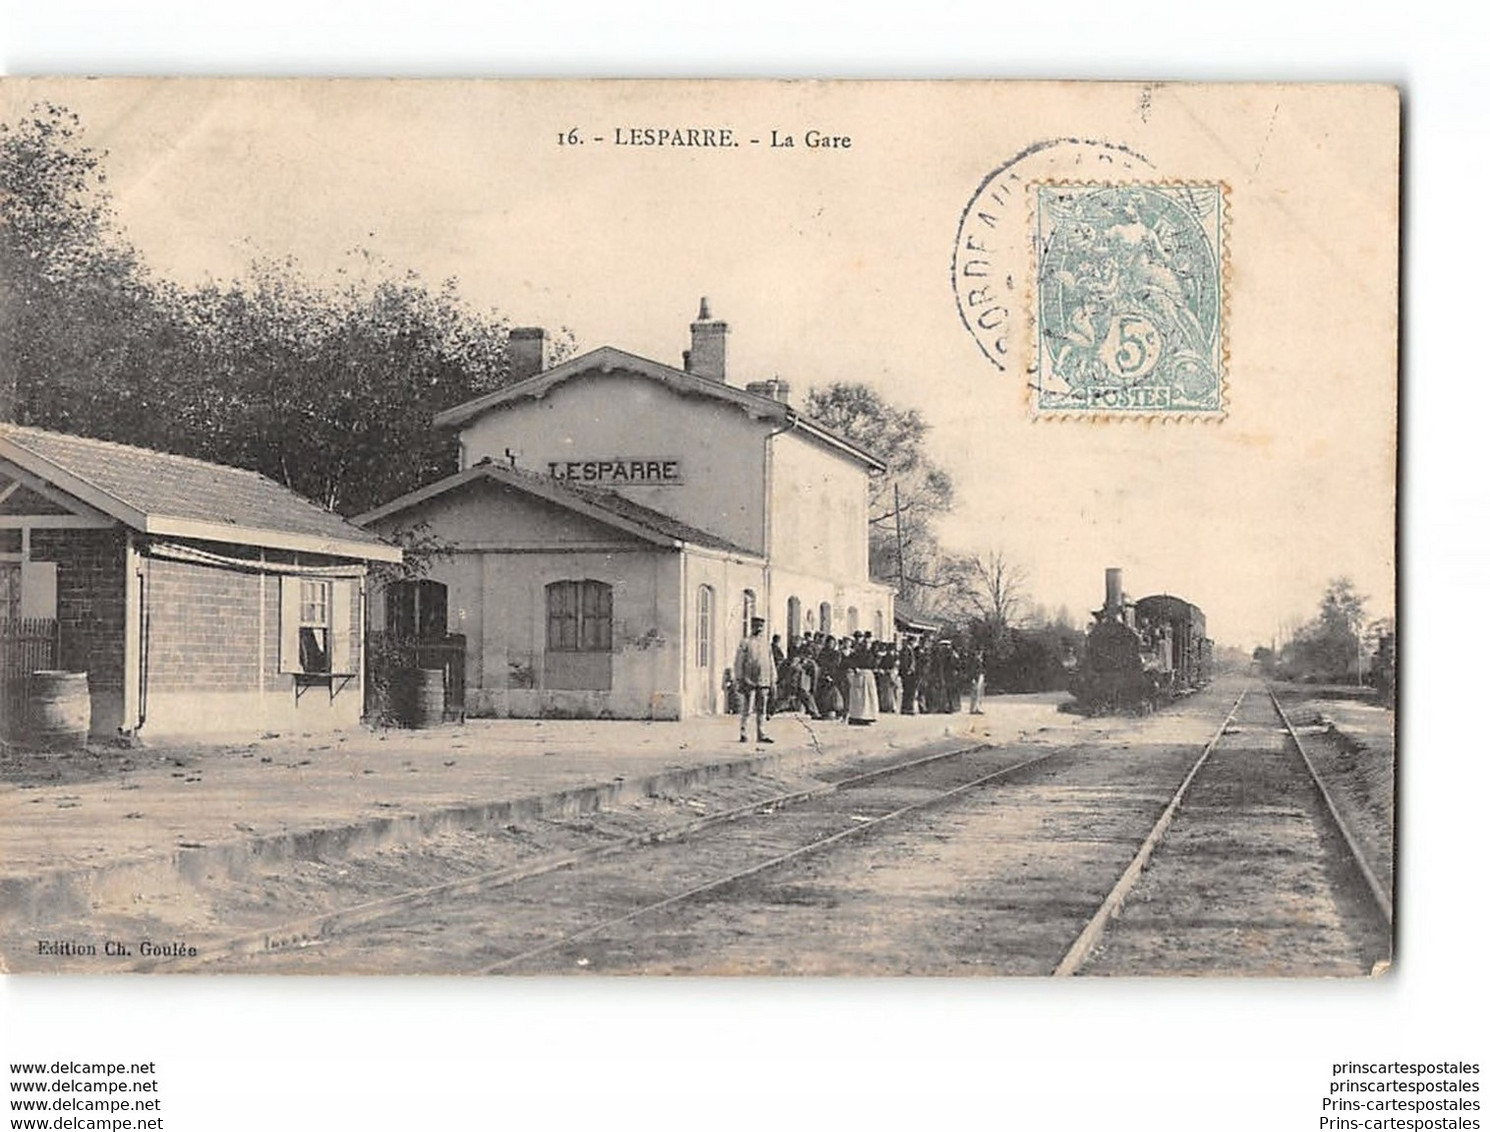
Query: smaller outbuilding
x=198, y=599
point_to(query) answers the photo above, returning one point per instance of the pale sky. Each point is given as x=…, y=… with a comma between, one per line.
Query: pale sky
x=834, y=265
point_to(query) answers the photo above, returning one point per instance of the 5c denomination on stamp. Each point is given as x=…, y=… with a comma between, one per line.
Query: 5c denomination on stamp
x=1129, y=302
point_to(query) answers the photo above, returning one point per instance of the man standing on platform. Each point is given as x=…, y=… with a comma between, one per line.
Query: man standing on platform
x=755, y=676
x=978, y=668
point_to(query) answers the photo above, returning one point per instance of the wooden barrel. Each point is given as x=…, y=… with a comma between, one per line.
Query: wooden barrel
x=424, y=697
x=59, y=709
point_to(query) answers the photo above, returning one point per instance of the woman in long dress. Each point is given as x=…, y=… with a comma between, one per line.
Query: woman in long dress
x=863, y=698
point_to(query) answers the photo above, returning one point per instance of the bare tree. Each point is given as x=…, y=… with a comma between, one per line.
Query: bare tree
x=990, y=587
x=985, y=592
x=1000, y=594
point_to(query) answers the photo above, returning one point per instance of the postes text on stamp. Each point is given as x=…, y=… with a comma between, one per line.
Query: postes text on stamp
x=1129, y=302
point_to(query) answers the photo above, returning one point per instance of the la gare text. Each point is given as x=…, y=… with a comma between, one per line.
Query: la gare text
x=708, y=137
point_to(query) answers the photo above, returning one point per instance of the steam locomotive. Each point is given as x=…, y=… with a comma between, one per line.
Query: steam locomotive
x=1141, y=653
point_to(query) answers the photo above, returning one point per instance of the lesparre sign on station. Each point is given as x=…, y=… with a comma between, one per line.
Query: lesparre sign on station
x=650, y=471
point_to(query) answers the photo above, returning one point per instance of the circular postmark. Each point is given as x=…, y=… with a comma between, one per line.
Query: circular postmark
x=1101, y=282
x=992, y=259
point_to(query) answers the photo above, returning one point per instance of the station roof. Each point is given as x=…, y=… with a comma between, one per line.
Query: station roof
x=608, y=359
x=911, y=620
x=162, y=494
x=601, y=504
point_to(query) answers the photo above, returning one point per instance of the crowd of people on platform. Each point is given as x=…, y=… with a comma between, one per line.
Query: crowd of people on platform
x=854, y=678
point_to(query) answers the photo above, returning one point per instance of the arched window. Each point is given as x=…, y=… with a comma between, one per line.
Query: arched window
x=747, y=611
x=704, y=633
x=879, y=624
x=579, y=616
x=853, y=619
x=825, y=617
x=793, y=618
x=416, y=609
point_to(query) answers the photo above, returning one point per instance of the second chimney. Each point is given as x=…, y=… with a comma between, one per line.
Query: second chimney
x=774, y=388
x=527, y=351
x=706, y=356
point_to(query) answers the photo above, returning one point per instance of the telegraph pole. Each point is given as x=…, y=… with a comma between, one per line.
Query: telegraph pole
x=899, y=545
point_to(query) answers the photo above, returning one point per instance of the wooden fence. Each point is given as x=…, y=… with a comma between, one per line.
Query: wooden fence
x=27, y=645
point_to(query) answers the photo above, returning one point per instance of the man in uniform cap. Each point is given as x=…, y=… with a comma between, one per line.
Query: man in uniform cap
x=755, y=675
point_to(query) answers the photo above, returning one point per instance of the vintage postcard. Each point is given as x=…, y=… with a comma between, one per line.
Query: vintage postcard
x=757, y=528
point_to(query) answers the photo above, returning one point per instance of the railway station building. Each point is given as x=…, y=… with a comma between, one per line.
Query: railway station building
x=616, y=522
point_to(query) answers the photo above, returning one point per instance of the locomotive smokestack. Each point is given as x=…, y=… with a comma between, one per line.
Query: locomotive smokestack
x=1113, y=607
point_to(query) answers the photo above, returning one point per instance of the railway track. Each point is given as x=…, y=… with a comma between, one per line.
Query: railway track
x=1026, y=842
x=1252, y=870
x=1051, y=802
x=316, y=932
x=1371, y=876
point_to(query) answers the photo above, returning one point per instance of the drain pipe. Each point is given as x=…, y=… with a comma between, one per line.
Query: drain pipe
x=142, y=693
x=787, y=426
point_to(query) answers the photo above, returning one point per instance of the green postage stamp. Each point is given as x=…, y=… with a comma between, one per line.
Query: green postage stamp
x=1130, y=299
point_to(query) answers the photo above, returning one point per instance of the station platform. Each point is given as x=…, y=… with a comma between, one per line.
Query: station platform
x=75, y=828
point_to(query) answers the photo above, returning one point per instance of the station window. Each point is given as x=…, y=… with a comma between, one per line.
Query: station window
x=793, y=618
x=747, y=611
x=316, y=619
x=579, y=616
x=315, y=625
x=10, y=591
x=705, y=634
x=417, y=609
x=825, y=618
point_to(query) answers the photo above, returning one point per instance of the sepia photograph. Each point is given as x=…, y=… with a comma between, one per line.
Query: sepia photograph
x=698, y=527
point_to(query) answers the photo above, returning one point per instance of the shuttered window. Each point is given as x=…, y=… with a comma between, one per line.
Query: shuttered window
x=579, y=616
x=10, y=591
x=315, y=625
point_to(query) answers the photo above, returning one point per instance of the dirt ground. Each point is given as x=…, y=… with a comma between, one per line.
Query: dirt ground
x=1251, y=878
x=998, y=884
x=1353, y=744
x=203, y=840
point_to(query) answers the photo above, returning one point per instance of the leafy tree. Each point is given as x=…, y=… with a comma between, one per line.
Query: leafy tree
x=1328, y=647
x=913, y=491
x=332, y=390
x=1036, y=660
x=75, y=303
x=328, y=388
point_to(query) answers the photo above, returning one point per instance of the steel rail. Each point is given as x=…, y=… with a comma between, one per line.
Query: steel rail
x=314, y=930
x=1081, y=949
x=762, y=867
x=1378, y=892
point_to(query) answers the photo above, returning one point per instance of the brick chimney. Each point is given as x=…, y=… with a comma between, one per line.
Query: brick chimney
x=774, y=388
x=706, y=357
x=527, y=351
